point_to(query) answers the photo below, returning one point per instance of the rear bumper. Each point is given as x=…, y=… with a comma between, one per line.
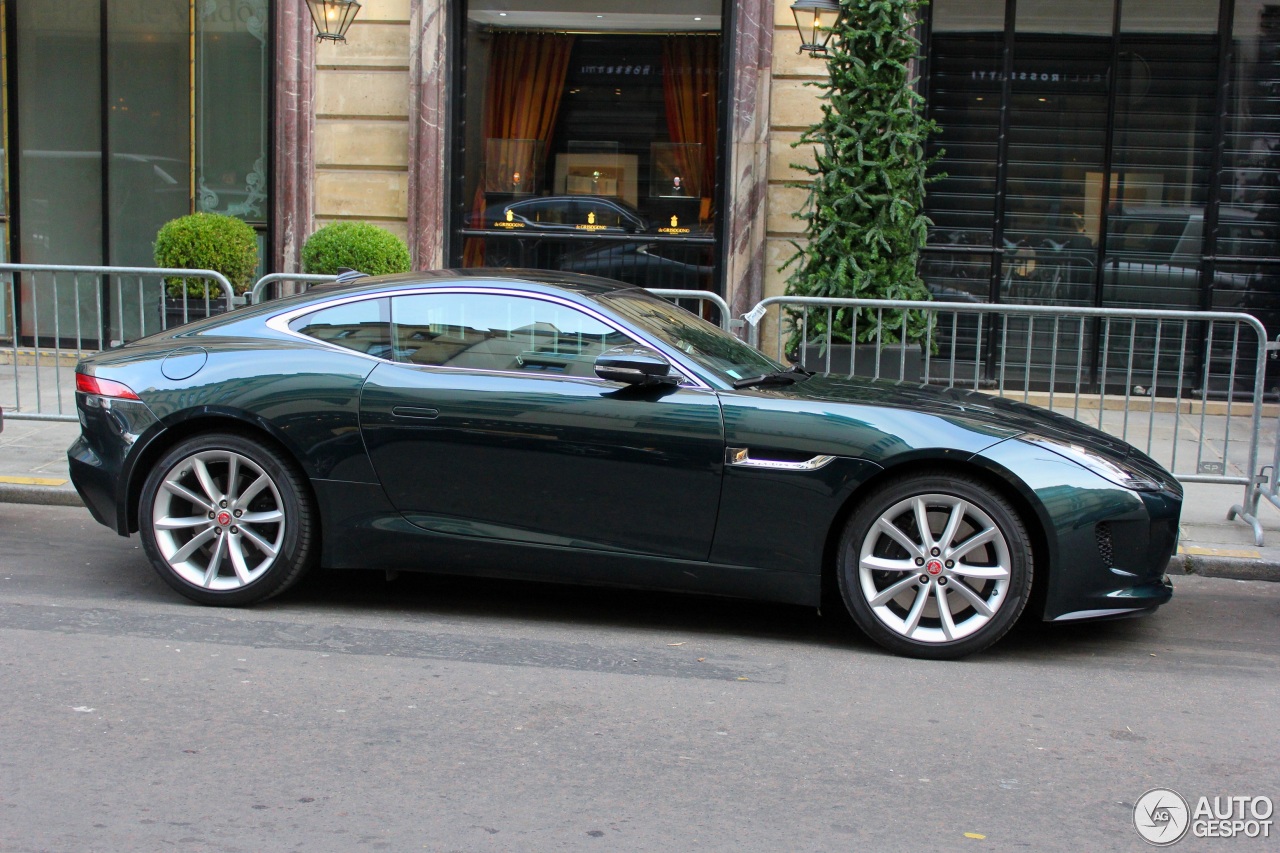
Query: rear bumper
x=95, y=484
x=99, y=459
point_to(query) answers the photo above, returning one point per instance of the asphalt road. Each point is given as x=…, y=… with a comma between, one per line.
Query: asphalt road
x=430, y=713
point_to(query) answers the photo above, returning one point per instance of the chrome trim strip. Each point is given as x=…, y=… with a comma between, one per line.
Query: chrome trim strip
x=740, y=457
x=280, y=323
x=1096, y=614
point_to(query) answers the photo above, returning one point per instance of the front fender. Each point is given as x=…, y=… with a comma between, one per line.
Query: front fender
x=1106, y=546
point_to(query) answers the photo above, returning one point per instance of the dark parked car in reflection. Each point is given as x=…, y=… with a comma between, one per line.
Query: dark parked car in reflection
x=1153, y=257
x=581, y=213
x=555, y=427
x=661, y=265
x=534, y=223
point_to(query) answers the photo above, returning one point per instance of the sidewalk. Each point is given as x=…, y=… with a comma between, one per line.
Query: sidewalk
x=33, y=469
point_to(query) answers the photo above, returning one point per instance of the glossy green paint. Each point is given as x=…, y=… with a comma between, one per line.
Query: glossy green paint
x=1070, y=502
x=548, y=458
x=305, y=397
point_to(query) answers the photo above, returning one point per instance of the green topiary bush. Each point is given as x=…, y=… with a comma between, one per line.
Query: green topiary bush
x=207, y=241
x=354, y=245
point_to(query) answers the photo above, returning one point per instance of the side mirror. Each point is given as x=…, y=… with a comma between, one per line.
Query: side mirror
x=634, y=365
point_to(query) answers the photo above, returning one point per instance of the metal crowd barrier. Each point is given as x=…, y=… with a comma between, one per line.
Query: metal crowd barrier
x=68, y=311
x=1268, y=482
x=702, y=300
x=1151, y=377
x=269, y=286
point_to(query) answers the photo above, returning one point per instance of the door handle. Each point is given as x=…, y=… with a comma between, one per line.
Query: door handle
x=415, y=412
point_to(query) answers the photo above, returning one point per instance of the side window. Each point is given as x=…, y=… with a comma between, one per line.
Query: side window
x=363, y=326
x=479, y=331
x=545, y=212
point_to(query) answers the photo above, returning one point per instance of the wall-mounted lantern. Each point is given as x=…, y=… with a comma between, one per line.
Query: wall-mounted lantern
x=333, y=18
x=814, y=19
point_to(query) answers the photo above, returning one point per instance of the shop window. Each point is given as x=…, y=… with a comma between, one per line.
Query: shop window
x=588, y=133
x=1097, y=192
x=1102, y=124
x=1248, y=239
x=129, y=115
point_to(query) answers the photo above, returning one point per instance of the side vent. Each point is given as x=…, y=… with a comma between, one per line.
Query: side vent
x=1102, y=533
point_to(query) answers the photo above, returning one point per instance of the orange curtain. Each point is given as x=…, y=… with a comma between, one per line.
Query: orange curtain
x=690, y=82
x=522, y=99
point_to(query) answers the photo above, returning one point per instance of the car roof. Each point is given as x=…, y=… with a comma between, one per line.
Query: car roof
x=550, y=282
x=585, y=285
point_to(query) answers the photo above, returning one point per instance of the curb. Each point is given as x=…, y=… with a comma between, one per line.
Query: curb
x=1232, y=568
x=41, y=495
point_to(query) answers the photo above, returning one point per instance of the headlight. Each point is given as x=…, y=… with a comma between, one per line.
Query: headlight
x=1108, y=469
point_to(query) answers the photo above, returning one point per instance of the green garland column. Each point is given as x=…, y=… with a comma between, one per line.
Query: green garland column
x=864, y=224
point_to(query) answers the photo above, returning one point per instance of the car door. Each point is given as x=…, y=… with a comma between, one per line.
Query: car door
x=492, y=423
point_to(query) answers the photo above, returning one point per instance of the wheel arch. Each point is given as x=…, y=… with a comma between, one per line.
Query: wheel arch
x=998, y=478
x=185, y=428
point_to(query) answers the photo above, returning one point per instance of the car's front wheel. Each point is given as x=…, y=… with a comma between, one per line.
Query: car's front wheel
x=227, y=520
x=935, y=567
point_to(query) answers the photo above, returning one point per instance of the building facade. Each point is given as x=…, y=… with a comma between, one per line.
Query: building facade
x=1103, y=152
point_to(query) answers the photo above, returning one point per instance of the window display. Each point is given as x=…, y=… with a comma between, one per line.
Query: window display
x=512, y=166
x=618, y=111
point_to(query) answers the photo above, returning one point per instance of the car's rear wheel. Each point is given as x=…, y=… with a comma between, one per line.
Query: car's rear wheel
x=227, y=520
x=935, y=567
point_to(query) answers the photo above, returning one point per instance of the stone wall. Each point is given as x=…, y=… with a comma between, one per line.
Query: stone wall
x=794, y=106
x=362, y=104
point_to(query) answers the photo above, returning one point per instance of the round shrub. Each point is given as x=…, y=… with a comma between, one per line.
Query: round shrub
x=207, y=241
x=354, y=245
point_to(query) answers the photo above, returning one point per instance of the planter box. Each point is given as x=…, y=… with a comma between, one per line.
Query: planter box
x=863, y=357
x=196, y=308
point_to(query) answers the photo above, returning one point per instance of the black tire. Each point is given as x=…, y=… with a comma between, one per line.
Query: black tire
x=257, y=537
x=983, y=570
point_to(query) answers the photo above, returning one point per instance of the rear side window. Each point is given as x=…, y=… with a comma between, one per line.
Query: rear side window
x=363, y=326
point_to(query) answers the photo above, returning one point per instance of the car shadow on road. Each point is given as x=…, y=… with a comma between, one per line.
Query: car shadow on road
x=679, y=614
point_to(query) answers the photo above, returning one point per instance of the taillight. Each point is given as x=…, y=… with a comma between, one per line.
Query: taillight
x=104, y=387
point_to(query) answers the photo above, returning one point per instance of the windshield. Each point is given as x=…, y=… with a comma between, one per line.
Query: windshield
x=707, y=345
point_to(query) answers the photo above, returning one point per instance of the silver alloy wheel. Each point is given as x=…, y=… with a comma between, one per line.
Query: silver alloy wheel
x=934, y=568
x=219, y=520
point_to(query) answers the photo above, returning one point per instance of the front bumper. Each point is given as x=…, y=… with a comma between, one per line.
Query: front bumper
x=1107, y=547
x=1131, y=601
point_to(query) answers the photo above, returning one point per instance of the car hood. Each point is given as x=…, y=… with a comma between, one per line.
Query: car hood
x=997, y=416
